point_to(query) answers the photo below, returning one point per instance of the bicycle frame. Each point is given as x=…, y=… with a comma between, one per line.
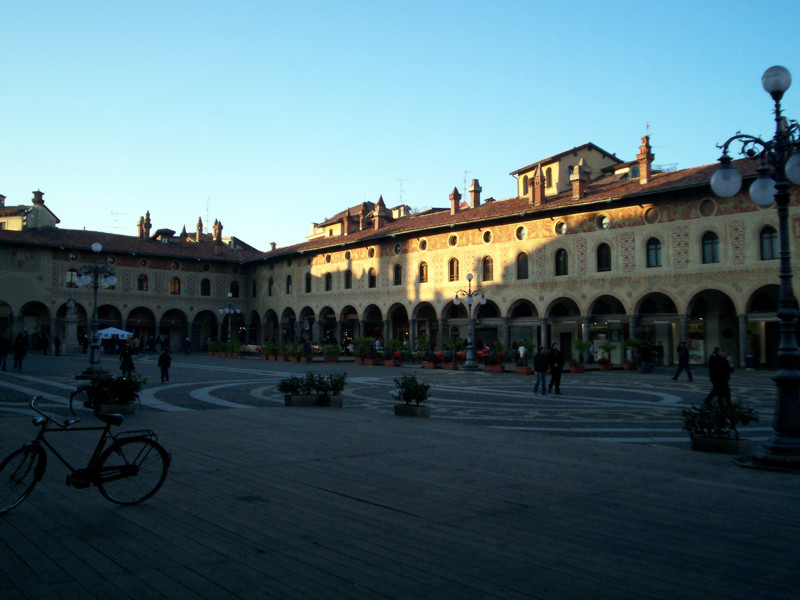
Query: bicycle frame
x=86, y=476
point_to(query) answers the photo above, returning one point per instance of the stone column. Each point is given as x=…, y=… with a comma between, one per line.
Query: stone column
x=543, y=333
x=412, y=334
x=440, y=335
x=387, y=330
x=684, y=328
x=632, y=325
x=506, y=334
x=742, y=340
x=339, y=331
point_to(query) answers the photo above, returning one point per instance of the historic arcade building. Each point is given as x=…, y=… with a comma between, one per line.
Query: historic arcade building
x=591, y=247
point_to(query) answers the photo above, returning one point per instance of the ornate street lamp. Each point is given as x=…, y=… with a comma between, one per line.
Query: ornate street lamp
x=780, y=165
x=470, y=296
x=229, y=309
x=91, y=275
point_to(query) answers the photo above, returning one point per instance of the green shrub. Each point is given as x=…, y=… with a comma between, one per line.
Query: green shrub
x=717, y=418
x=410, y=389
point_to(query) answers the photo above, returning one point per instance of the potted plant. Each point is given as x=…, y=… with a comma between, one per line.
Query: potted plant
x=270, y=350
x=629, y=347
x=392, y=356
x=411, y=393
x=425, y=346
x=604, y=362
x=449, y=358
x=330, y=352
x=576, y=364
x=712, y=426
x=213, y=347
x=496, y=357
x=107, y=393
x=522, y=366
x=363, y=348
x=313, y=390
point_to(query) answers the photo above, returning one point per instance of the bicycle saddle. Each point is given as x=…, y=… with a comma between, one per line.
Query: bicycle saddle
x=111, y=419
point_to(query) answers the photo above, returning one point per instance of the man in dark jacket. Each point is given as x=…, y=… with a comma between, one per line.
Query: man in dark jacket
x=683, y=361
x=719, y=371
x=555, y=360
x=540, y=369
x=164, y=362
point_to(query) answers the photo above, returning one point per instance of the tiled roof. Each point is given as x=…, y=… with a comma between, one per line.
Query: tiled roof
x=555, y=157
x=79, y=239
x=608, y=188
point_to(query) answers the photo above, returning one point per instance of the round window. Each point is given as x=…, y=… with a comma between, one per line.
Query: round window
x=73, y=256
x=423, y=244
x=398, y=248
x=521, y=233
x=561, y=228
x=487, y=236
x=603, y=222
x=708, y=208
x=176, y=265
x=112, y=260
x=347, y=255
x=327, y=259
x=143, y=262
x=206, y=268
x=371, y=253
x=651, y=215
x=453, y=240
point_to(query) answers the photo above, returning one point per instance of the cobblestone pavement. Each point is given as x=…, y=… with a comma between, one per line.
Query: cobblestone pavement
x=617, y=406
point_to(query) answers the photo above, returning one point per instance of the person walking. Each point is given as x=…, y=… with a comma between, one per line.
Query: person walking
x=719, y=371
x=555, y=360
x=126, y=362
x=164, y=362
x=540, y=368
x=20, y=350
x=683, y=361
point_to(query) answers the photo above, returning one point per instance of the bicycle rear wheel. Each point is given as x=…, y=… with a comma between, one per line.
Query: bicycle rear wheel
x=131, y=470
x=19, y=473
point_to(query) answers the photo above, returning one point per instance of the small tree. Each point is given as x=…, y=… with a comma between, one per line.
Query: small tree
x=582, y=348
x=410, y=389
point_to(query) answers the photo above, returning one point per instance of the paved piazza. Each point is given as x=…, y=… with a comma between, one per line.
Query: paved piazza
x=618, y=406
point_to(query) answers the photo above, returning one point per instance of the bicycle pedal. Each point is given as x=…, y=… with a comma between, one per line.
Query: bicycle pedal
x=77, y=483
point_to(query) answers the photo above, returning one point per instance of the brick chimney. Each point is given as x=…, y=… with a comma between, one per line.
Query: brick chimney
x=536, y=189
x=273, y=246
x=38, y=197
x=475, y=190
x=199, y=229
x=346, y=222
x=580, y=179
x=645, y=159
x=2, y=201
x=217, y=231
x=455, y=201
x=147, y=225
x=379, y=214
x=140, y=228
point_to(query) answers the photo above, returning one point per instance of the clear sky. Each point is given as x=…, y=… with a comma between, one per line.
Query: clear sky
x=272, y=115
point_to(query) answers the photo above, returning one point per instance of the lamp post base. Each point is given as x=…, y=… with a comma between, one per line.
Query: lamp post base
x=470, y=366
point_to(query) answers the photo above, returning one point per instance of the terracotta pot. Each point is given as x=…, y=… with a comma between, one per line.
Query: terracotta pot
x=330, y=359
x=577, y=368
x=450, y=366
x=497, y=369
x=524, y=370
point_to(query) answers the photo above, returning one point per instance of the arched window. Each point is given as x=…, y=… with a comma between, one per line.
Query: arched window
x=423, y=272
x=288, y=284
x=548, y=174
x=234, y=289
x=141, y=283
x=525, y=185
x=398, y=274
x=488, y=268
x=175, y=286
x=603, y=258
x=522, y=265
x=562, y=265
x=348, y=279
x=308, y=283
x=372, y=279
x=205, y=287
x=72, y=277
x=769, y=243
x=453, y=269
x=328, y=282
x=710, y=247
x=653, y=252
x=270, y=287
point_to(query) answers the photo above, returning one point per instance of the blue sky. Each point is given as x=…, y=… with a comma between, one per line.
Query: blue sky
x=272, y=115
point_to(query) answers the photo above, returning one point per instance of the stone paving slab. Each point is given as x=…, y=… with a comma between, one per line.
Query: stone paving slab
x=322, y=503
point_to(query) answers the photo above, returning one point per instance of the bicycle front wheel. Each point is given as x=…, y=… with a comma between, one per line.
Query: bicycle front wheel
x=19, y=474
x=131, y=470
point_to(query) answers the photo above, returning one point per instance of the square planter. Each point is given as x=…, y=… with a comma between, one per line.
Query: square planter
x=451, y=366
x=313, y=400
x=330, y=359
x=721, y=445
x=428, y=364
x=412, y=410
x=392, y=363
x=604, y=367
x=524, y=370
x=496, y=369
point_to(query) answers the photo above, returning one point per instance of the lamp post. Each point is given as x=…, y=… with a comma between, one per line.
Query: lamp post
x=780, y=165
x=91, y=275
x=229, y=309
x=470, y=297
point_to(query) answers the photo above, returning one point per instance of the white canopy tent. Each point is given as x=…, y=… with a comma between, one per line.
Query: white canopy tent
x=110, y=332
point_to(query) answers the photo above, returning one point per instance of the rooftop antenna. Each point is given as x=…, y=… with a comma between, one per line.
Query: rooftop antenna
x=400, y=181
x=116, y=218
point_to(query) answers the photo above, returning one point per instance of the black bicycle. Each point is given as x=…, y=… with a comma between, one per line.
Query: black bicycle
x=127, y=468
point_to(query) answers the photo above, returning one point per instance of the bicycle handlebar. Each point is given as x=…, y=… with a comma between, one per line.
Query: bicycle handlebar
x=65, y=425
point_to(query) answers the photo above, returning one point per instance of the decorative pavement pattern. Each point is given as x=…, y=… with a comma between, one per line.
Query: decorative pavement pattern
x=617, y=406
